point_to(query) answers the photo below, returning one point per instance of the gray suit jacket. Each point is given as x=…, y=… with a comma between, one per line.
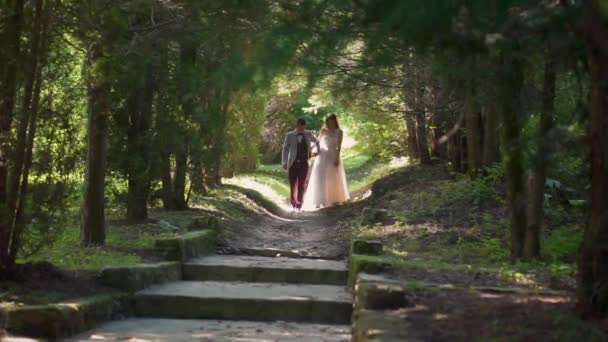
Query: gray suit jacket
x=290, y=146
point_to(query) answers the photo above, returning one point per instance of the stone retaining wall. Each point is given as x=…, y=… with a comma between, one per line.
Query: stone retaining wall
x=138, y=277
x=64, y=319
x=184, y=247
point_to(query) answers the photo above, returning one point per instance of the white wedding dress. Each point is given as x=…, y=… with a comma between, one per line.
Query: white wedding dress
x=327, y=182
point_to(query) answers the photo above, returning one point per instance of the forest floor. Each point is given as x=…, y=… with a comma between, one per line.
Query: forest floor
x=442, y=228
x=437, y=227
x=62, y=269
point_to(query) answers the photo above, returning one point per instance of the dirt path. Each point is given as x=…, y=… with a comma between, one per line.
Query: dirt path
x=308, y=234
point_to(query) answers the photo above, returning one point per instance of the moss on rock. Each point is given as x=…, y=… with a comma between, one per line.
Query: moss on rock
x=373, y=216
x=137, y=277
x=366, y=247
x=187, y=246
x=384, y=326
x=368, y=263
x=204, y=222
x=64, y=319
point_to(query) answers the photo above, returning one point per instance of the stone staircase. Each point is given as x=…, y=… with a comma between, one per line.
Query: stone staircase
x=237, y=298
x=251, y=288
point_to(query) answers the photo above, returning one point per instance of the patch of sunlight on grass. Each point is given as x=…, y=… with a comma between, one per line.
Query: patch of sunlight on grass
x=122, y=244
x=399, y=253
x=264, y=185
x=362, y=170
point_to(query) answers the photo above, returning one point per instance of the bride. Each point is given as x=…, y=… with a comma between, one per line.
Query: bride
x=327, y=182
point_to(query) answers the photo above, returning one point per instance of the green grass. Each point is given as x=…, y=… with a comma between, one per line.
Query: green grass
x=271, y=180
x=364, y=170
x=128, y=243
x=460, y=222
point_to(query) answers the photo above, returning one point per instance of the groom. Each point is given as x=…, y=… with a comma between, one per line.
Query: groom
x=295, y=156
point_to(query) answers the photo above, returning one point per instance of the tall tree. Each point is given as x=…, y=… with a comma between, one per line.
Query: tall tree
x=593, y=260
x=10, y=36
x=93, y=227
x=538, y=175
x=27, y=122
x=509, y=97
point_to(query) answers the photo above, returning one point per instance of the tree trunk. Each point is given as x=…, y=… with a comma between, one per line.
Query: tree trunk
x=491, y=148
x=23, y=115
x=454, y=152
x=167, y=182
x=473, y=130
x=510, y=102
x=93, y=230
x=10, y=38
x=593, y=259
x=412, y=141
x=537, y=177
x=139, y=148
x=197, y=176
x=439, y=150
x=423, y=142
x=19, y=215
x=162, y=127
x=30, y=106
x=179, y=181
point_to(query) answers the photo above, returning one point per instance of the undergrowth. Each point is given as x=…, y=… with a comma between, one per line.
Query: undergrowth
x=460, y=221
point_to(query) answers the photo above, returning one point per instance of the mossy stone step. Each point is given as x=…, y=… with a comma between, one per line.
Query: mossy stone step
x=149, y=329
x=246, y=301
x=266, y=270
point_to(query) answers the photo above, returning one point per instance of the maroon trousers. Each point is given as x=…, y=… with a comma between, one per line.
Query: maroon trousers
x=297, y=182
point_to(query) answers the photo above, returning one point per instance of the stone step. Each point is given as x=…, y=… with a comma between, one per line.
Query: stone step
x=266, y=270
x=177, y=330
x=246, y=301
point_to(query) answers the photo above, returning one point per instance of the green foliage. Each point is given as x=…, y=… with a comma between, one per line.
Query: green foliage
x=562, y=244
x=457, y=200
x=490, y=250
x=362, y=170
x=570, y=327
x=66, y=252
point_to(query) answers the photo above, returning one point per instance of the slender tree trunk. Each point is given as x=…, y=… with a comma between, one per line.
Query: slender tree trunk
x=10, y=38
x=139, y=148
x=510, y=101
x=179, y=181
x=93, y=226
x=473, y=130
x=23, y=115
x=412, y=141
x=19, y=215
x=593, y=259
x=30, y=105
x=410, y=119
x=162, y=126
x=537, y=177
x=197, y=176
x=218, y=147
x=421, y=126
x=491, y=150
x=439, y=150
x=423, y=142
x=167, y=182
x=454, y=152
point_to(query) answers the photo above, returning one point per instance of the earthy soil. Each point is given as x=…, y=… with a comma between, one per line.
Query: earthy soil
x=313, y=234
x=459, y=315
x=466, y=278
x=41, y=283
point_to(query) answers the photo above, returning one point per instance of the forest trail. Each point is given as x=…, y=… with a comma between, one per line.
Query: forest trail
x=280, y=278
x=308, y=234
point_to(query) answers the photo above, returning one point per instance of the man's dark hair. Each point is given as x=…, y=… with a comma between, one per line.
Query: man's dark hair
x=302, y=122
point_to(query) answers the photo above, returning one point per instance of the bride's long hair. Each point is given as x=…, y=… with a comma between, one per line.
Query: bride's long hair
x=331, y=117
